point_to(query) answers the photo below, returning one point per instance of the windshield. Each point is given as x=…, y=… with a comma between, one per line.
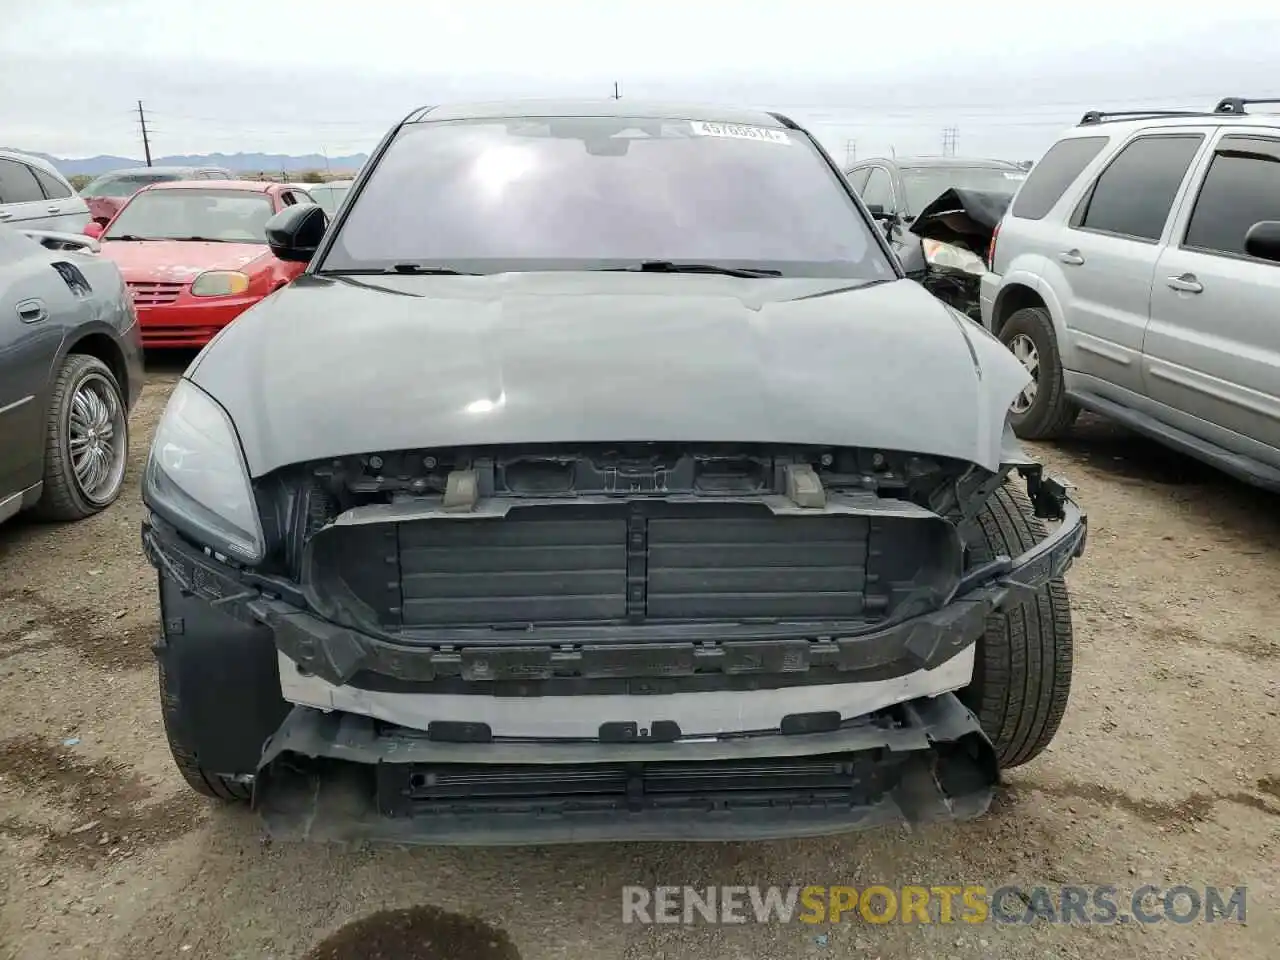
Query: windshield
x=233, y=216
x=124, y=186
x=925, y=184
x=328, y=196
x=598, y=192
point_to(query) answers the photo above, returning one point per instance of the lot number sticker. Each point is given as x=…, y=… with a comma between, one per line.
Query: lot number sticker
x=736, y=131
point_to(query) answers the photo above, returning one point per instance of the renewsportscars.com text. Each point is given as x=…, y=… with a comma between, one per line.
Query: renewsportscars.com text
x=973, y=904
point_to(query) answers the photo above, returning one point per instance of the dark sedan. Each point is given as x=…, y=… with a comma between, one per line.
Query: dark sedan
x=70, y=372
x=898, y=189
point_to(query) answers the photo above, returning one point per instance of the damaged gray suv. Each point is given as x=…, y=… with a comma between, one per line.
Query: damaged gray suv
x=602, y=478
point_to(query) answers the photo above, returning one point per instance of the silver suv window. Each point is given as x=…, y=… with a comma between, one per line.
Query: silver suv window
x=1241, y=188
x=1132, y=197
x=18, y=183
x=1056, y=171
x=53, y=188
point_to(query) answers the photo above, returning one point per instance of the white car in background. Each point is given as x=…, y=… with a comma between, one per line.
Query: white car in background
x=329, y=195
x=35, y=196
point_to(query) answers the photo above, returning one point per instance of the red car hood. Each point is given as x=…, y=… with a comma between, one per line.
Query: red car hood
x=180, y=261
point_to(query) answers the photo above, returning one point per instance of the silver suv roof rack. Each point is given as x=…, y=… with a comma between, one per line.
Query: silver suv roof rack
x=1100, y=116
x=1238, y=104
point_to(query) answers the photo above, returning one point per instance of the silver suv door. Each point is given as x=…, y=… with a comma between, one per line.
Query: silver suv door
x=1107, y=256
x=1212, y=351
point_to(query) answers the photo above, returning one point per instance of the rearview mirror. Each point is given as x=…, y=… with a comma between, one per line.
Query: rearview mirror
x=1263, y=240
x=93, y=229
x=295, y=232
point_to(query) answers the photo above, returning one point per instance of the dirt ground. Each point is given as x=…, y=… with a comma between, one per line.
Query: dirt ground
x=1166, y=771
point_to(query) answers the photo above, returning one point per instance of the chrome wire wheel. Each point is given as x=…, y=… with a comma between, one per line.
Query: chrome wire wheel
x=97, y=439
x=1024, y=348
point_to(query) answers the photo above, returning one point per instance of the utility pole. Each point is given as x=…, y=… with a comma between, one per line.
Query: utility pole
x=949, y=137
x=617, y=94
x=850, y=152
x=146, y=140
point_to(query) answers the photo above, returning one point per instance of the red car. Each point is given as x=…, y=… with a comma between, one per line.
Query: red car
x=194, y=254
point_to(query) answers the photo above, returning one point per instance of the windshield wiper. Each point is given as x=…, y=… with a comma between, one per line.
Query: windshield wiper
x=215, y=240
x=406, y=268
x=130, y=236
x=666, y=266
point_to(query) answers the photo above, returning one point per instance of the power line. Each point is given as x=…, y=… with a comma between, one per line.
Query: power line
x=146, y=140
x=949, y=137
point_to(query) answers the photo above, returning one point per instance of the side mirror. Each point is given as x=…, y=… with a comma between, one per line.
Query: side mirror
x=295, y=232
x=93, y=229
x=1263, y=240
x=877, y=211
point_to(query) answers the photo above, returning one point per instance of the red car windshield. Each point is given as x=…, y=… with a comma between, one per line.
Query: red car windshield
x=227, y=216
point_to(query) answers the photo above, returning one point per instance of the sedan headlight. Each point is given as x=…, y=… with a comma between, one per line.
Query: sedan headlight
x=219, y=283
x=196, y=476
x=950, y=257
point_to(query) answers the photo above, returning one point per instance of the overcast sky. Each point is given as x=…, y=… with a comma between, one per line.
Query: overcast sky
x=303, y=76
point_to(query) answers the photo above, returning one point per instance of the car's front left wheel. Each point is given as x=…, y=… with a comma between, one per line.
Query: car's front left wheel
x=1022, y=674
x=86, y=441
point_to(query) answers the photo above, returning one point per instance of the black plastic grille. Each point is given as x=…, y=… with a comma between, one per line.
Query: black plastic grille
x=631, y=563
x=485, y=571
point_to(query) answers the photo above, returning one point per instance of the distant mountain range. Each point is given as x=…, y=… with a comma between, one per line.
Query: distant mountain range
x=237, y=162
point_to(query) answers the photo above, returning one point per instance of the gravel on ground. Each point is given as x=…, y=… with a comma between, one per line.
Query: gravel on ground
x=1166, y=771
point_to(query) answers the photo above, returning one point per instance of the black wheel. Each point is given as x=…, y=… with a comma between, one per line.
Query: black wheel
x=1042, y=411
x=86, y=442
x=198, y=778
x=1022, y=673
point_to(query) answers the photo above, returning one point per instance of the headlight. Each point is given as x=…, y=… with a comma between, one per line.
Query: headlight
x=219, y=283
x=196, y=476
x=948, y=255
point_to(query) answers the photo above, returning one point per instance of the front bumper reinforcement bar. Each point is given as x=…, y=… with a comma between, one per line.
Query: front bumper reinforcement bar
x=344, y=778
x=809, y=652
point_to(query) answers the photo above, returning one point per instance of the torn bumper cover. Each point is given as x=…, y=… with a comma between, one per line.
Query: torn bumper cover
x=343, y=778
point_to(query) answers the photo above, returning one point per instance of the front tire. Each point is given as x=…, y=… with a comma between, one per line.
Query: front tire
x=86, y=441
x=1022, y=671
x=1042, y=411
x=200, y=780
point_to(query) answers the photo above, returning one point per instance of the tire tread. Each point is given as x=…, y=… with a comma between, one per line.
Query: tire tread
x=1022, y=678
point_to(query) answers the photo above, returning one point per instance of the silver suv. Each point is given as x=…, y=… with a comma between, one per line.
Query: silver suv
x=1137, y=275
x=35, y=196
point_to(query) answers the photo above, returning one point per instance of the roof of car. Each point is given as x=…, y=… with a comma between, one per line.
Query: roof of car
x=131, y=171
x=256, y=186
x=935, y=161
x=1264, y=120
x=594, y=108
x=31, y=160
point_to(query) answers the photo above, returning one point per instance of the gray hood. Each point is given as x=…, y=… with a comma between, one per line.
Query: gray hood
x=330, y=367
